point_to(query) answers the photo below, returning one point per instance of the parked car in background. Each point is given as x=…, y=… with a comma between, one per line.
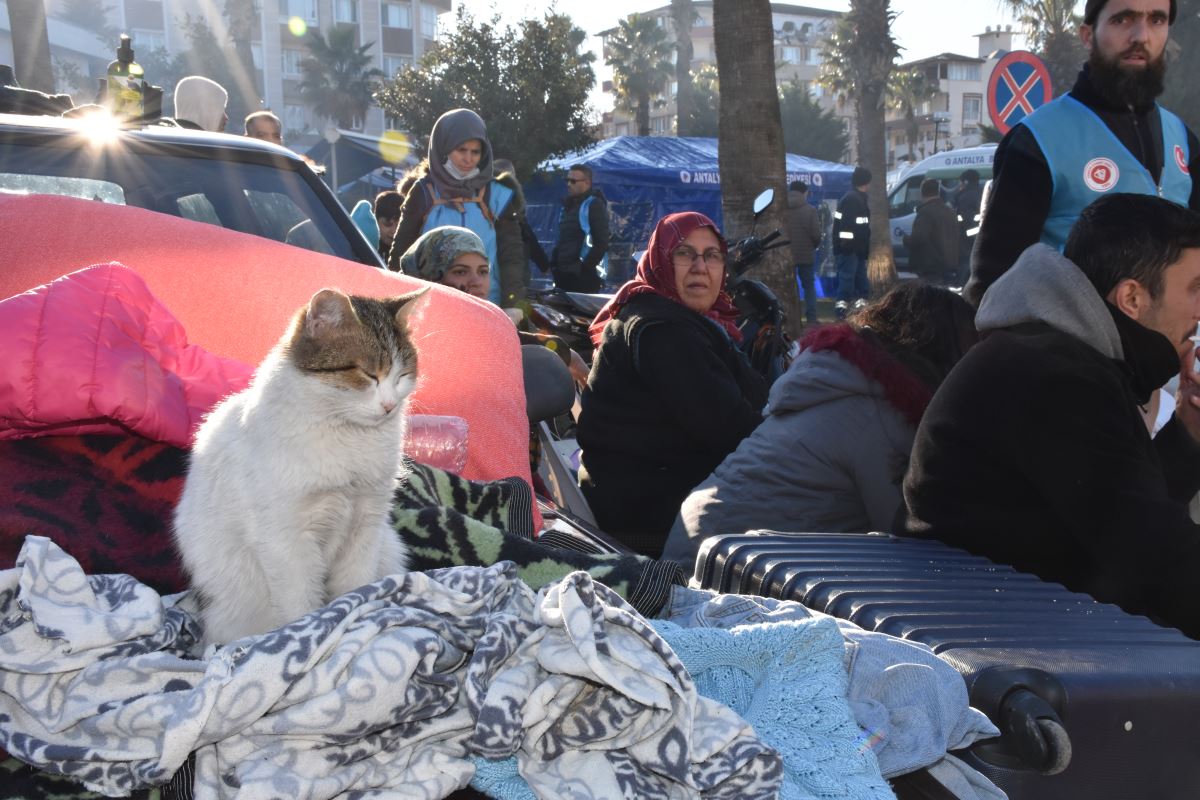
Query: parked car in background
x=235, y=182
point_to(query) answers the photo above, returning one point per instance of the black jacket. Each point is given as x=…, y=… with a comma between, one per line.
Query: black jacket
x=1022, y=187
x=1033, y=453
x=933, y=243
x=569, y=269
x=668, y=398
x=852, y=224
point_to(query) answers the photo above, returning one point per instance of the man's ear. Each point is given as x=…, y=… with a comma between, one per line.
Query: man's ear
x=1130, y=297
x=1086, y=32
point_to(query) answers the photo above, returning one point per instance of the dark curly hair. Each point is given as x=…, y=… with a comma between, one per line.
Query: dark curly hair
x=926, y=328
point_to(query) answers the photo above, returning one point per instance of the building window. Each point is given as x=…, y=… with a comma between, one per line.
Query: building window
x=674, y=89
x=345, y=11
x=790, y=55
x=144, y=41
x=295, y=118
x=256, y=54
x=429, y=15
x=397, y=15
x=958, y=71
x=972, y=108
x=291, y=62
x=304, y=9
x=393, y=65
x=812, y=56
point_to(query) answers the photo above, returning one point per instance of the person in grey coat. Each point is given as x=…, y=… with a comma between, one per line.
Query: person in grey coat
x=831, y=453
x=804, y=233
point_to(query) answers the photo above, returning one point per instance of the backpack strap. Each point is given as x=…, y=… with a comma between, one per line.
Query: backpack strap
x=435, y=199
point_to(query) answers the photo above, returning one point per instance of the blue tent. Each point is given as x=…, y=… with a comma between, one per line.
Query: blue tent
x=646, y=177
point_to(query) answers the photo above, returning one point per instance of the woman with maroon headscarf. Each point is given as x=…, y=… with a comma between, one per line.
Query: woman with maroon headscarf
x=669, y=395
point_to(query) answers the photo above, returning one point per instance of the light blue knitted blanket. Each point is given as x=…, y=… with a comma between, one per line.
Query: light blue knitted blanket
x=787, y=679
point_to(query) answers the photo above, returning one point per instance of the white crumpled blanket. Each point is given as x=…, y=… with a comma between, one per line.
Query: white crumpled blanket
x=389, y=690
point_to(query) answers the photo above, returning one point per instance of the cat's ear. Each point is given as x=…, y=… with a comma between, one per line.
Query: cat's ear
x=327, y=311
x=406, y=305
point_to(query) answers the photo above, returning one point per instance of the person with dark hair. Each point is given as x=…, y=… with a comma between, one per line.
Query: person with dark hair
x=1106, y=135
x=1034, y=452
x=387, y=215
x=852, y=243
x=933, y=243
x=669, y=394
x=832, y=450
x=968, y=203
x=583, y=234
x=803, y=229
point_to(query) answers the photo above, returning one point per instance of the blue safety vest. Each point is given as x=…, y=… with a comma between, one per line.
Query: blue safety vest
x=585, y=224
x=1087, y=160
x=475, y=215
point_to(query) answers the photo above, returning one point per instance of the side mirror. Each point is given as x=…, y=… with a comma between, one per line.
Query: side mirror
x=763, y=200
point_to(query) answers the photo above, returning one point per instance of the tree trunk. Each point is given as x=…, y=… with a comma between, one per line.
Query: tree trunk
x=31, y=45
x=682, y=13
x=244, y=95
x=750, y=138
x=873, y=66
x=643, y=115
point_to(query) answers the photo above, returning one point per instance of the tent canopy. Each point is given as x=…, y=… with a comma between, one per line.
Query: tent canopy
x=647, y=177
x=352, y=155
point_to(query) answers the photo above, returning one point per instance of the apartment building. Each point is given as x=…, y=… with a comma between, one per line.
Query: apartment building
x=951, y=119
x=800, y=33
x=400, y=31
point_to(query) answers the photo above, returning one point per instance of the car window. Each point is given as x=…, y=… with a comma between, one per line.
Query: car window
x=261, y=199
x=197, y=208
x=904, y=198
x=83, y=188
x=277, y=213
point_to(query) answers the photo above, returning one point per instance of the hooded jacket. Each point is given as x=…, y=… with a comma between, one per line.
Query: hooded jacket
x=1033, y=451
x=201, y=102
x=829, y=456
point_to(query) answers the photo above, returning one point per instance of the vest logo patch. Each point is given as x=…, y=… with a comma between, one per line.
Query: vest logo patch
x=1101, y=174
x=1181, y=160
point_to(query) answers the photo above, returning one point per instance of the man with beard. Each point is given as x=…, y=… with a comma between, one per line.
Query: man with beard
x=1106, y=135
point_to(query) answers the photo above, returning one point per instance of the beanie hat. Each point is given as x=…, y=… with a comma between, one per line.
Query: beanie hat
x=1093, y=8
x=861, y=176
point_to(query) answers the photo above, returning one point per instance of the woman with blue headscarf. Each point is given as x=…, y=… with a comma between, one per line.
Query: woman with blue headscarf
x=460, y=189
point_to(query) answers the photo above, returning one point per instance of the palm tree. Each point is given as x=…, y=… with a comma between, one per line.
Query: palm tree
x=908, y=91
x=640, y=56
x=683, y=15
x=750, y=150
x=858, y=64
x=337, y=82
x=1050, y=26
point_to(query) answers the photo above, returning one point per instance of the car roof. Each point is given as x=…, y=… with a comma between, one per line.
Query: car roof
x=149, y=135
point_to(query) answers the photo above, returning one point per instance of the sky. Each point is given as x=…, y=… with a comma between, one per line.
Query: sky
x=923, y=27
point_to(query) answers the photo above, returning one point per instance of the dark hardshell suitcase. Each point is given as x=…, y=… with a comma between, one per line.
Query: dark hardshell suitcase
x=1092, y=702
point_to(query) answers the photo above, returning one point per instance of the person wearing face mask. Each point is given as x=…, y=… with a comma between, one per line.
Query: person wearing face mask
x=669, y=394
x=1106, y=135
x=460, y=189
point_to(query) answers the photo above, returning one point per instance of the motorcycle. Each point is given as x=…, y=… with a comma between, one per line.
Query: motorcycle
x=762, y=319
x=565, y=314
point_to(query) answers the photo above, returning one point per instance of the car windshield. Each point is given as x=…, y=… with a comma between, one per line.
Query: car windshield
x=259, y=199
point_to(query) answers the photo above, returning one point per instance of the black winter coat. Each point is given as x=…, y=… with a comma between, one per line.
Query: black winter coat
x=933, y=243
x=570, y=272
x=669, y=396
x=1033, y=453
x=852, y=224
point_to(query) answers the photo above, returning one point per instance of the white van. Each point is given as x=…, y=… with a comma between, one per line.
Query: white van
x=905, y=195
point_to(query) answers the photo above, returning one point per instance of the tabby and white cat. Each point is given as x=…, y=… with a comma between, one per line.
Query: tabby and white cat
x=290, y=481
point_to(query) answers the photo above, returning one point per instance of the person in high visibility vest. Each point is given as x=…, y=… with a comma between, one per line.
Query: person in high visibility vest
x=460, y=188
x=852, y=243
x=1106, y=135
x=582, y=245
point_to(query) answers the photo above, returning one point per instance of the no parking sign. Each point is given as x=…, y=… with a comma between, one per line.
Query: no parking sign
x=1019, y=84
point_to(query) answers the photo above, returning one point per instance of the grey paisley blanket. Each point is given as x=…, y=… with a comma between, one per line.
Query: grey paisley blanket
x=388, y=691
